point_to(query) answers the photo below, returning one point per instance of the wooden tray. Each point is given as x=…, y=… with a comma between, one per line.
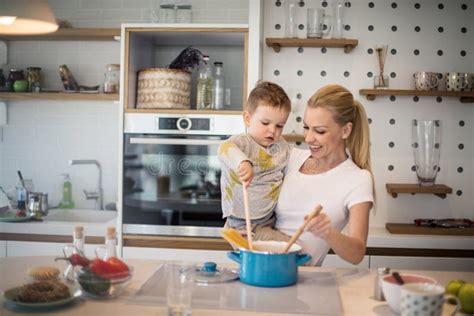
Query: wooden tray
x=398, y=228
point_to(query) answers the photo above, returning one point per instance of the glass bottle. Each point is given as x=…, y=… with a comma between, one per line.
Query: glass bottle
x=21, y=196
x=204, y=86
x=76, y=247
x=112, y=78
x=2, y=81
x=218, y=87
x=109, y=249
x=291, y=26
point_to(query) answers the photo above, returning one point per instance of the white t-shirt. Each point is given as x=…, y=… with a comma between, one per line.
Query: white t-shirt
x=337, y=190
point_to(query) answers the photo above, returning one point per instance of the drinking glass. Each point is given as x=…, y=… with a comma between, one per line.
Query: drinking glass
x=315, y=23
x=426, y=143
x=179, y=293
x=291, y=26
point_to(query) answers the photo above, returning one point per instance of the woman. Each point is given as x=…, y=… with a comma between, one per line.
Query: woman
x=334, y=172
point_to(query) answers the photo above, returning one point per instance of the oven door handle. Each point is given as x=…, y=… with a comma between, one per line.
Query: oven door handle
x=174, y=141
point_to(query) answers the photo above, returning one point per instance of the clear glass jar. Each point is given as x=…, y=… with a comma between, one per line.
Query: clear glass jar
x=34, y=77
x=184, y=13
x=167, y=13
x=112, y=79
x=204, y=86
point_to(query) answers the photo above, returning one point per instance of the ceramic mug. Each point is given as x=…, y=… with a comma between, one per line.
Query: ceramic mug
x=454, y=81
x=424, y=299
x=425, y=80
x=467, y=81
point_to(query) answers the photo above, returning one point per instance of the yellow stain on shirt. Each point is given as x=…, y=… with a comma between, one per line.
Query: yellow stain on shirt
x=225, y=147
x=234, y=178
x=264, y=160
x=229, y=193
x=274, y=192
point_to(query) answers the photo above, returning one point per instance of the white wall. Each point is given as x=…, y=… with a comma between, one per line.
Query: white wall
x=42, y=136
x=312, y=61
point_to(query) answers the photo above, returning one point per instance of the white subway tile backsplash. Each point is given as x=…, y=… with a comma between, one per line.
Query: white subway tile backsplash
x=100, y=4
x=122, y=15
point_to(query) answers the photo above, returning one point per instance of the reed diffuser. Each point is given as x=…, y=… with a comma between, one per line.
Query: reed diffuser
x=381, y=81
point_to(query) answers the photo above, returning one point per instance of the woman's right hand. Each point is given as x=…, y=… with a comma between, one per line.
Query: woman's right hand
x=320, y=226
x=245, y=173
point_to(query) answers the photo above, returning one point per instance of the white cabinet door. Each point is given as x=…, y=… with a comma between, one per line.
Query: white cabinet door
x=29, y=248
x=334, y=261
x=3, y=248
x=175, y=254
x=423, y=263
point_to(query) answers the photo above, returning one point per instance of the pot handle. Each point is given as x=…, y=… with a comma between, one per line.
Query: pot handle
x=233, y=255
x=302, y=259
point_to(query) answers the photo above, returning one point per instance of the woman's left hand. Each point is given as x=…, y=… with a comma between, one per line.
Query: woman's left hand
x=320, y=226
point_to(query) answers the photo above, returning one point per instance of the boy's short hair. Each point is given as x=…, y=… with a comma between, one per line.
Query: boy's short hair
x=270, y=93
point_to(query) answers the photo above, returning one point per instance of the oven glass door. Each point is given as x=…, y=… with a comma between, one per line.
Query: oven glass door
x=171, y=182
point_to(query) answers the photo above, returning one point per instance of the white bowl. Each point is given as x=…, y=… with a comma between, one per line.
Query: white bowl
x=392, y=290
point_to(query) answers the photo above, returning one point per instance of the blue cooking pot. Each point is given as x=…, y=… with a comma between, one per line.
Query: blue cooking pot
x=267, y=268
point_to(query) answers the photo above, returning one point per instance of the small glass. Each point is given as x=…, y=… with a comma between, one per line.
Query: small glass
x=178, y=292
x=381, y=82
x=33, y=75
x=426, y=143
x=184, y=13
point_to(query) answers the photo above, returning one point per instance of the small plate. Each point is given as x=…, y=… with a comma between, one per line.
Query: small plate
x=11, y=295
x=11, y=217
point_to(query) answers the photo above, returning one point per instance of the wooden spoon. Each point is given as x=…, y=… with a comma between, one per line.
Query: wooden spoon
x=300, y=230
x=247, y=217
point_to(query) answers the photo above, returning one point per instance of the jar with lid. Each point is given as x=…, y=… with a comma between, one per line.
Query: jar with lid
x=14, y=75
x=167, y=13
x=112, y=78
x=34, y=77
x=184, y=13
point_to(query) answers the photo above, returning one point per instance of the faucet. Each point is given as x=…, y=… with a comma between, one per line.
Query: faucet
x=98, y=196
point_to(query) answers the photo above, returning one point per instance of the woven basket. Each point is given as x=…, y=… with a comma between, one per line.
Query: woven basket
x=163, y=88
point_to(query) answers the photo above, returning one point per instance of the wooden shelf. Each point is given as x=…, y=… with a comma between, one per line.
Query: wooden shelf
x=71, y=34
x=58, y=96
x=278, y=43
x=438, y=189
x=293, y=138
x=184, y=111
x=464, y=97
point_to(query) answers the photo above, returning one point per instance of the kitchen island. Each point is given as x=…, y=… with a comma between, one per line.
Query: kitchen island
x=355, y=290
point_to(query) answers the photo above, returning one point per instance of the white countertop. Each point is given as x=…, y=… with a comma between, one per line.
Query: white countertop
x=381, y=237
x=355, y=289
x=62, y=222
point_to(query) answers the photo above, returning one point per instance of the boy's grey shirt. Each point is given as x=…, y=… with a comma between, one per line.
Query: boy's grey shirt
x=268, y=166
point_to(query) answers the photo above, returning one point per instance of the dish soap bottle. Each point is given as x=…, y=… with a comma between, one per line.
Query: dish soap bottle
x=67, y=201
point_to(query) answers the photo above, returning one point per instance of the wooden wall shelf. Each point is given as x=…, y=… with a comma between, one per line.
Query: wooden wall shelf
x=277, y=43
x=184, y=111
x=72, y=34
x=294, y=138
x=438, y=189
x=15, y=96
x=464, y=97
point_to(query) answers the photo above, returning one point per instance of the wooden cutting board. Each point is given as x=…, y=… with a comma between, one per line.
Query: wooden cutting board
x=399, y=228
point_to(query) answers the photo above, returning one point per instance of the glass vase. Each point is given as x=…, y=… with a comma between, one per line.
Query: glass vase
x=426, y=143
x=381, y=82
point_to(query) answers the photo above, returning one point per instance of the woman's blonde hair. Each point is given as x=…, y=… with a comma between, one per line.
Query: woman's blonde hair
x=340, y=101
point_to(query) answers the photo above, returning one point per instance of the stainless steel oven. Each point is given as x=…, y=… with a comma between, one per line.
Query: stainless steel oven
x=171, y=174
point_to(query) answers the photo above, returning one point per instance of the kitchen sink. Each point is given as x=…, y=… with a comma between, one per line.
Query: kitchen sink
x=80, y=215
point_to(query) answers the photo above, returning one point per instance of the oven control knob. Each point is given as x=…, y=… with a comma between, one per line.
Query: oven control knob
x=184, y=124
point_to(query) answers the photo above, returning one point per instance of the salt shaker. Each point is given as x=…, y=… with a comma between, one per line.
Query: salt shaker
x=381, y=272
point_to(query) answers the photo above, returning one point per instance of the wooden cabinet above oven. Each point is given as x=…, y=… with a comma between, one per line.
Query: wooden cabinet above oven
x=156, y=45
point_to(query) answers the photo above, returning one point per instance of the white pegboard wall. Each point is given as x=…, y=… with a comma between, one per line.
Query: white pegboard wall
x=421, y=35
